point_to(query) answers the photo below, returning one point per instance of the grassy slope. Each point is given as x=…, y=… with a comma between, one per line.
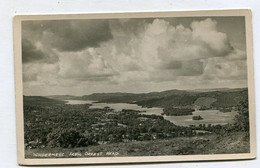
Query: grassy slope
x=205, y=101
x=207, y=144
x=39, y=100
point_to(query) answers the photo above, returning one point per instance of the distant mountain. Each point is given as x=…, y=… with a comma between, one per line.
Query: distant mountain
x=208, y=98
x=64, y=97
x=130, y=97
x=212, y=98
x=107, y=96
x=216, y=89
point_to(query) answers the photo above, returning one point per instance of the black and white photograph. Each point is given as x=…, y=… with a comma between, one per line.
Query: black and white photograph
x=162, y=86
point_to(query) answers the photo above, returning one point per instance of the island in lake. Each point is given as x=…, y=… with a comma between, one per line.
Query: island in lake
x=197, y=118
x=173, y=111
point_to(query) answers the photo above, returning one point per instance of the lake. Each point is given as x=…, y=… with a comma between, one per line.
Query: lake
x=209, y=116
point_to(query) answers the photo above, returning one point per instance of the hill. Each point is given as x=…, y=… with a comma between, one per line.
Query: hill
x=39, y=100
x=132, y=97
x=208, y=144
x=213, y=98
x=64, y=97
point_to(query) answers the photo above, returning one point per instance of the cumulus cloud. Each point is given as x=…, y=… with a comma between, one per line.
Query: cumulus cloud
x=217, y=42
x=40, y=72
x=130, y=54
x=48, y=41
x=85, y=65
x=30, y=53
x=219, y=68
x=179, y=43
x=69, y=35
x=167, y=51
x=28, y=77
x=237, y=55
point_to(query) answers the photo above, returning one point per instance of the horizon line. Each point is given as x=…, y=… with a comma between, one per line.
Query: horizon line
x=139, y=92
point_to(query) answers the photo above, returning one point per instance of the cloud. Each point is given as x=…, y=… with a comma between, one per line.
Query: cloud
x=222, y=69
x=161, y=51
x=69, y=35
x=129, y=54
x=191, y=68
x=40, y=73
x=168, y=43
x=30, y=53
x=237, y=54
x=85, y=66
x=28, y=77
x=206, y=31
x=45, y=42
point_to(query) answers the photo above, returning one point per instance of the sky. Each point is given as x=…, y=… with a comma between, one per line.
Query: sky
x=135, y=55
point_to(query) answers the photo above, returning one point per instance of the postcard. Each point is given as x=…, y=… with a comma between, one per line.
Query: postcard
x=134, y=87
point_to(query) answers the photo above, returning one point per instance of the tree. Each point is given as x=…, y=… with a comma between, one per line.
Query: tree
x=242, y=118
x=66, y=138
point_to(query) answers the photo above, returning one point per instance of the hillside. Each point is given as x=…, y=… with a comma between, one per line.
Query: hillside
x=225, y=98
x=131, y=97
x=64, y=97
x=39, y=100
x=214, y=98
x=205, y=101
x=208, y=144
x=78, y=128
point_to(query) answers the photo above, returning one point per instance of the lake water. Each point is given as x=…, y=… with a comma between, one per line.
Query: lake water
x=209, y=116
